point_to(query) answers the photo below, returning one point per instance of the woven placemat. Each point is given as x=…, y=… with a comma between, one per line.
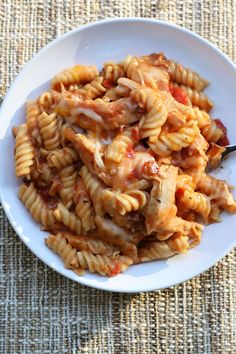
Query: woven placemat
x=42, y=312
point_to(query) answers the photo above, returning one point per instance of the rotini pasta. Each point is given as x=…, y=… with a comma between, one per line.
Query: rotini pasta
x=47, y=100
x=212, y=132
x=95, y=89
x=79, y=74
x=102, y=264
x=88, y=243
x=218, y=191
x=186, y=76
x=24, y=152
x=63, y=215
x=156, y=112
x=68, y=177
x=67, y=253
x=164, y=144
x=114, y=163
x=149, y=70
x=83, y=208
x=197, y=98
x=32, y=114
x=155, y=250
x=195, y=201
x=36, y=205
x=49, y=131
x=112, y=72
x=120, y=144
x=123, y=203
x=94, y=189
x=203, y=119
x=62, y=157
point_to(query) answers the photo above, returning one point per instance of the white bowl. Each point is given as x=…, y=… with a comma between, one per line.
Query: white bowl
x=97, y=43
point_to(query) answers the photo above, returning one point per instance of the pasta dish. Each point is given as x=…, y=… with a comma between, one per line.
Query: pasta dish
x=114, y=163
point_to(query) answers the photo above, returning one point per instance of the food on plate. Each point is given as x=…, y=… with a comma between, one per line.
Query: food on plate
x=114, y=163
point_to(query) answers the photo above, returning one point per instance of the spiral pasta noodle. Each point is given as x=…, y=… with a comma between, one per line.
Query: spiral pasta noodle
x=24, y=152
x=155, y=250
x=32, y=113
x=197, y=202
x=156, y=112
x=212, y=132
x=197, y=98
x=35, y=204
x=118, y=148
x=186, y=76
x=94, y=189
x=123, y=203
x=104, y=265
x=83, y=208
x=47, y=100
x=203, y=119
x=62, y=157
x=63, y=215
x=112, y=72
x=166, y=143
x=49, y=131
x=67, y=253
x=218, y=191
x=68, y=177
x=95, y=89
x=88, y=243
x=78, y=74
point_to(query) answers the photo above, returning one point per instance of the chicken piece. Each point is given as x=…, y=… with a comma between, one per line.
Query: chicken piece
x=214, y=155
x=89, y=243
x=89, y=154
x=162, y=202
x=96, y=114
x=219, y=191
x=110, y=232
x=83, y=146
x=150, y=70
x=135, y=167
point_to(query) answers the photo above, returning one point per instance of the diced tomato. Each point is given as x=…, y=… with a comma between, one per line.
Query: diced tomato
x=180, y=192
x=116, y=269
x=179, y=94
x=224, y=140
x=150, y=168
x=107, y=84
x=133, y=174
x=130, y=151
x=51, y=201
x=135, y=133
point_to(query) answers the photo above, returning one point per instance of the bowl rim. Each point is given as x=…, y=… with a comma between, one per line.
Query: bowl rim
x=82, y=280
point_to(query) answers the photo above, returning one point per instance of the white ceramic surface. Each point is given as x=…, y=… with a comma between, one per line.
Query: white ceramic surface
x=95, y=44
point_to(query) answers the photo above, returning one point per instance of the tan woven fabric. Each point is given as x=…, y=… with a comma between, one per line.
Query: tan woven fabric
x=42, y=312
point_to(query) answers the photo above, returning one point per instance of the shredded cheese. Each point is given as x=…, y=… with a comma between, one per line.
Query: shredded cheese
x=89, y=113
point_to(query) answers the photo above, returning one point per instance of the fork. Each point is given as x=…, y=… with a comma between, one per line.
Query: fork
x=228, y=150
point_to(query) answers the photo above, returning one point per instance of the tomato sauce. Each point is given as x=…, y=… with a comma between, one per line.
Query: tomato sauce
x=135, y=133
x=116, y=269
x=130, y=151
x=180, y=192
x=107, y=84
x=179, y=94
x=224, y=140
x=51, y=201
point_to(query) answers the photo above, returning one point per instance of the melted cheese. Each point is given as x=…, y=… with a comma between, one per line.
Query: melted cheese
x=89, y=113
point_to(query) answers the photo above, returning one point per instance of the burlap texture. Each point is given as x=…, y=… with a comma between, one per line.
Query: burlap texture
x=42, y=312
